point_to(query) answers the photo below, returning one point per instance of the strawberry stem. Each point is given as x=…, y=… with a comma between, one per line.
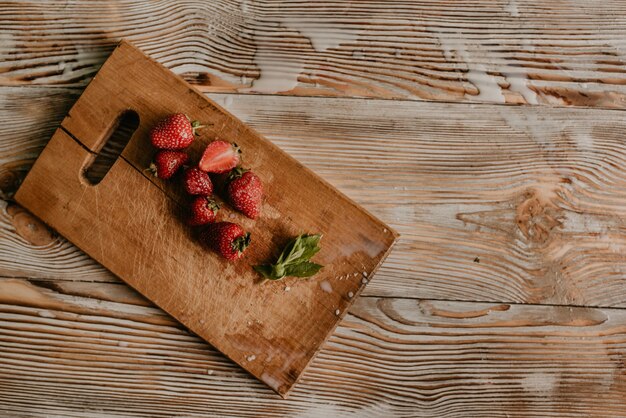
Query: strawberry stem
x=196, y=125
x=152, y=169
x=212, y=204
x=241, y=243
x=236, y=172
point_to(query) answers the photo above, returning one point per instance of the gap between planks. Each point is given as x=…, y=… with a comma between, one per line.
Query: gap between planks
x=38, y=281
x=417, y=101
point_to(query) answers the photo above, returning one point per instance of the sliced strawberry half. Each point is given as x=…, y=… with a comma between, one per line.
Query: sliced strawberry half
x=219, y=157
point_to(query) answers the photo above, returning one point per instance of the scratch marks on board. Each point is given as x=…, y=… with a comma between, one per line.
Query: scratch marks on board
x=95, y=224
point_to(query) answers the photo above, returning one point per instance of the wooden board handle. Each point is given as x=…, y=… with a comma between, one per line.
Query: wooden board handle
x=111, y=146
x=96, y=114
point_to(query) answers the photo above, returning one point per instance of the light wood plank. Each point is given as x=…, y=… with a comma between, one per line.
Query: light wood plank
x=98, y=349
x=29, y=118
x=518, y=51
x=28, y=248
x=535, y=197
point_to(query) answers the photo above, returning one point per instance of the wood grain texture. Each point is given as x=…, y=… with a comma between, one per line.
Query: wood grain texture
x=535, y=197
x=515, y=51
x=28, y=248
x=99, y=349
x=136, y=229
x=29, y=118
x=530, y=212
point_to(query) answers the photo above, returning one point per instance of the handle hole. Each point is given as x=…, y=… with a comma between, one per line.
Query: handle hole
x=127, y=123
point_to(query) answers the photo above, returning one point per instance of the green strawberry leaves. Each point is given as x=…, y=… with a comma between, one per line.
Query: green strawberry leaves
x=241, y=243
x=294, y=259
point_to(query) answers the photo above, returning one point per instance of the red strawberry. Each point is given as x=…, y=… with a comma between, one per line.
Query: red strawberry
x=197, y=182
x=219, y=157
x=227, y=239
x=166, y=163
x=245, y=192
x=203, y=211
x=174, y=132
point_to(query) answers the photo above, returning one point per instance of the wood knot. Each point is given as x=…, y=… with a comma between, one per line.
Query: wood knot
x=28, y=227
x=9, y=182
x=536, y=217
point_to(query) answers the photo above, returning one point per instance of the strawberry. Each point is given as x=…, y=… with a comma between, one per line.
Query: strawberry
x=197, y=182
x=166, y=163
x=245, y=192
x=227, y=239
x=203, y=211
x=174, y=132
x=219, y=157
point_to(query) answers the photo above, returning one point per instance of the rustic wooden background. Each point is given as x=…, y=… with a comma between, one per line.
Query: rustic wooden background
x=499, y=158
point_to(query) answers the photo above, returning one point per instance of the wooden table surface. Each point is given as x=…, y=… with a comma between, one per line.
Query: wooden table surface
x=490, y=134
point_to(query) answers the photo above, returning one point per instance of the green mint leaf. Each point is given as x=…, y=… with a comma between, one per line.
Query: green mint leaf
x=289, y=247
x=310, y=243
x=265, y=270
x=294, y=259
x=278, y=271
x=271, y=271
x=302, y=269
x=302, y=248
x=296, y=252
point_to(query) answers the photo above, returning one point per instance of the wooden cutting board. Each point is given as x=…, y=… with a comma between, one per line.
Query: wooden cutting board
x=131, y=223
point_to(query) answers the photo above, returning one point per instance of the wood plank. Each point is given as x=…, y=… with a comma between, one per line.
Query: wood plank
x=129, y=224
x=514, y=51
x=68, y=351
x=29, y=118
x=455, y=181
x=28, y=248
